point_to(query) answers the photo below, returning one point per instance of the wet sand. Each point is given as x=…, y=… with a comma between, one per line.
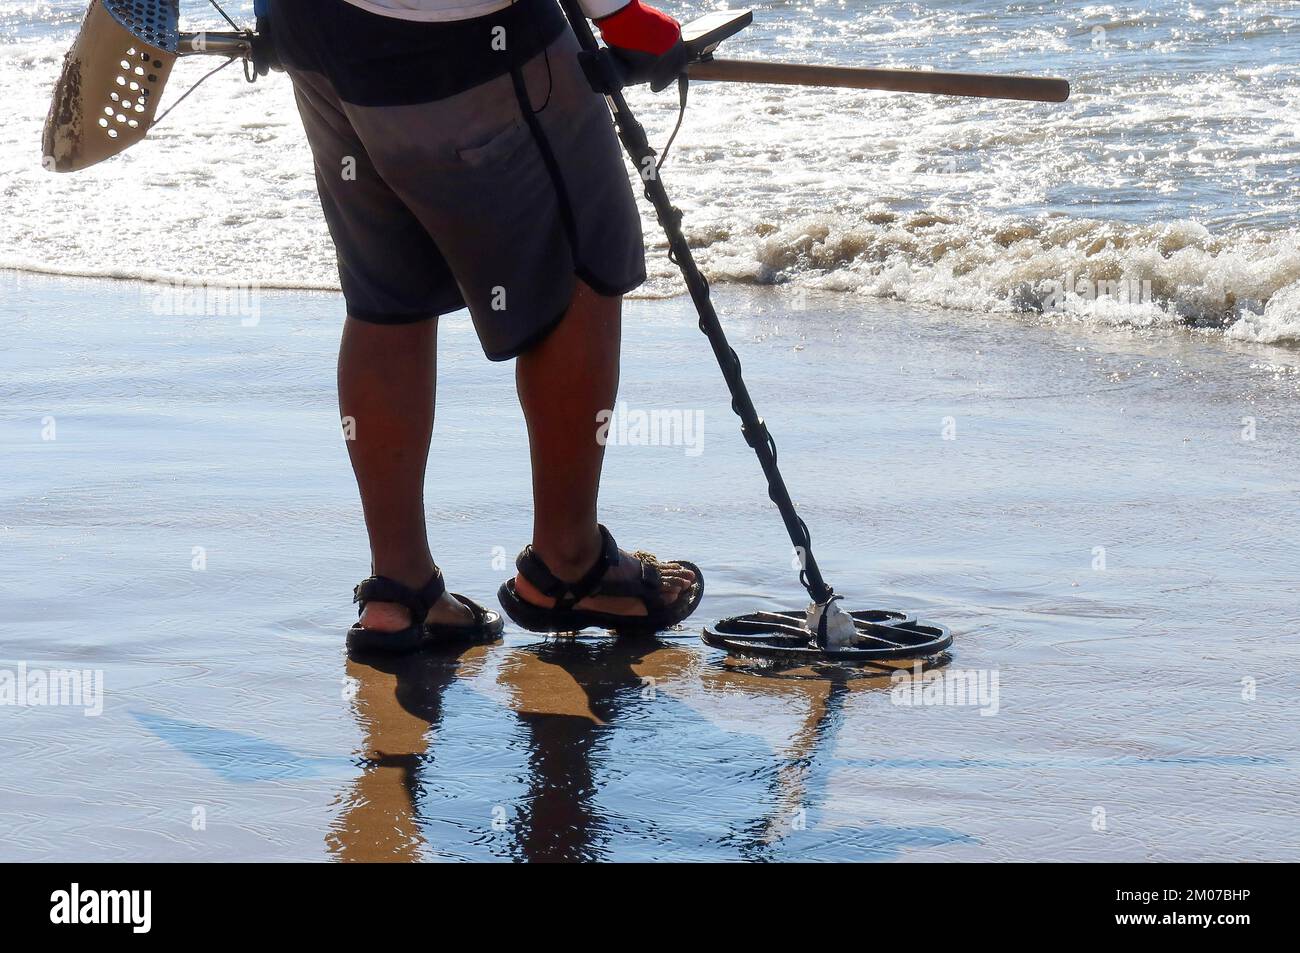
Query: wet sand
x=177, y=513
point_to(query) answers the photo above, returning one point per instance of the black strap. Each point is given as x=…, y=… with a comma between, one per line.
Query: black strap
x=384, y=589
x=646, y=586
x=552, y=164
x=477, y=611
x=568, y=594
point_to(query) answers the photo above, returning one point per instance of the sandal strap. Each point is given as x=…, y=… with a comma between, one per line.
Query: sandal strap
x=646, y=585
x=384, y=589
x=477, y=611
x=568, y=594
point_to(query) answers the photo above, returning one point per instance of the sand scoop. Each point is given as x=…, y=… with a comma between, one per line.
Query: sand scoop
x=113, y=78
x=107, y=99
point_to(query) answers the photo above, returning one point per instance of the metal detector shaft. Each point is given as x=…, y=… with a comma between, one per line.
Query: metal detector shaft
x=634, y=140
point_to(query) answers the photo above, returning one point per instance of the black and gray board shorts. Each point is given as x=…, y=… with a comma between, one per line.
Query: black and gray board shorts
x=463, y=164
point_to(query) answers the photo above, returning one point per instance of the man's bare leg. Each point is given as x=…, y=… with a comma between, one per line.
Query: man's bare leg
x=563, y=383
x=387, y=383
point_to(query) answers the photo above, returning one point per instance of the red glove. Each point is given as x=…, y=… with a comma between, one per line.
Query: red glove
x=640, y=28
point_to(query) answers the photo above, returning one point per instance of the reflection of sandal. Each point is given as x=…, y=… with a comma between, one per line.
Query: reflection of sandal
x=647, y=586
x=487, y=624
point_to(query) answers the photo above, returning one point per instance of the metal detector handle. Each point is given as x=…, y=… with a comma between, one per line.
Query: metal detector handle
x=633, y=136
x=608, y=68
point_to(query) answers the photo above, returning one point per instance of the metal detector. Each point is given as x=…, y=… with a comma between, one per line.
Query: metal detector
x=824, y=632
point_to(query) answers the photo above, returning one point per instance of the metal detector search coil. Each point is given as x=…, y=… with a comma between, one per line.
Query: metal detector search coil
x=882, y=636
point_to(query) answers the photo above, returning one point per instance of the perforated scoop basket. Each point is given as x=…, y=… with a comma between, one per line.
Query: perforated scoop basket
x=112, y=80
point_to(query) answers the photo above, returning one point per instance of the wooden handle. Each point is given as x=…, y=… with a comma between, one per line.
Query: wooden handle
x=983, y=85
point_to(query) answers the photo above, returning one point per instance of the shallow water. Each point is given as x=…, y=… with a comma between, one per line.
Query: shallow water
x=1144, y=690
x=1165, y=192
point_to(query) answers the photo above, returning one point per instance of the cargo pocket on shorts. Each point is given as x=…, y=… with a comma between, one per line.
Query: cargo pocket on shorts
x=501, y=146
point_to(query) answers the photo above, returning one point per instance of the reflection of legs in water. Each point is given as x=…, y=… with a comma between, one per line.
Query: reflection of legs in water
x=398, y=704
x=567, y=696
x=558, y=821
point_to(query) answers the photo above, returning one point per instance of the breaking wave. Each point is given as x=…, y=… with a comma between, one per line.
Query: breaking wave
x=1170, y=274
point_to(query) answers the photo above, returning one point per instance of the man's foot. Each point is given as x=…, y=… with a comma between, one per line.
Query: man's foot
x=397, y=617
x=675, y=579
x=394, y=617
x=626, y=593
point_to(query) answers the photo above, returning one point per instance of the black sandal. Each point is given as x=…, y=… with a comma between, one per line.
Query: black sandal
x=647, y=587
x=487, y=624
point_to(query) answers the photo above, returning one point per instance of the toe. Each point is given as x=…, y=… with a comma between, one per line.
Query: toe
x=673, y=585
x=449, y=611
x=676, y=571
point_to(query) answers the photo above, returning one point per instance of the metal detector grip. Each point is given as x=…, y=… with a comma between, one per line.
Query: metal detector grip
x=611, y=68
x=659, y=71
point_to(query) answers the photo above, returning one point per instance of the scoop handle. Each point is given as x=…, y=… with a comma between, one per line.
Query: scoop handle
x=982, y=85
